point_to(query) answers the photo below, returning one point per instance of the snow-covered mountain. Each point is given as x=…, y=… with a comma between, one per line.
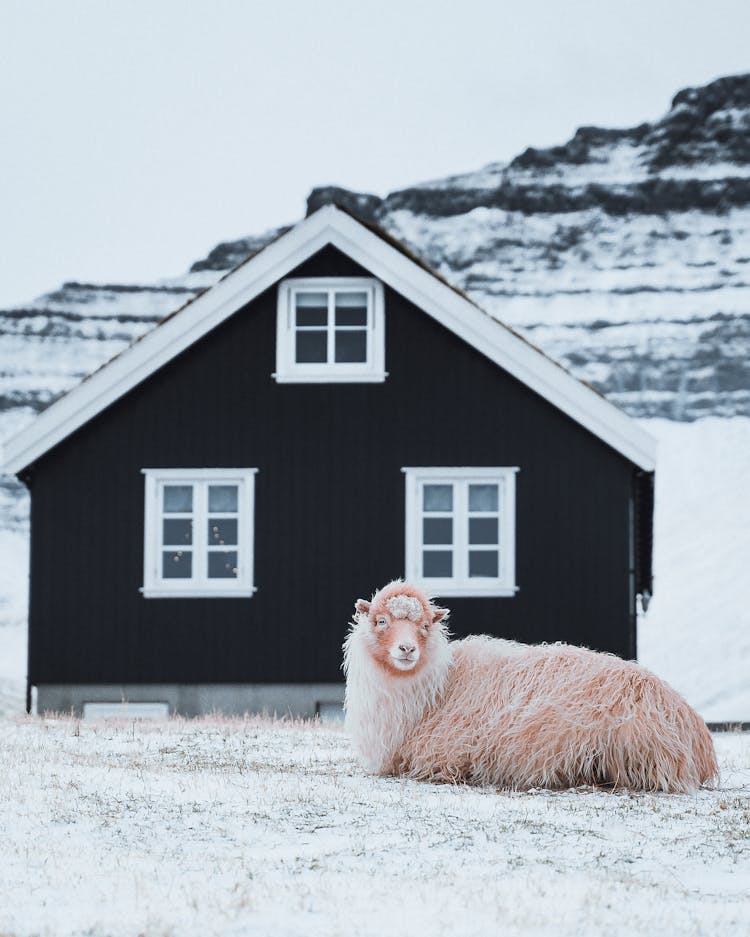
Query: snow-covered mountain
x=625, y=254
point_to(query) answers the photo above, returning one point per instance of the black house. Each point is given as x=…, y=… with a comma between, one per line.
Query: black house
x=331, y=415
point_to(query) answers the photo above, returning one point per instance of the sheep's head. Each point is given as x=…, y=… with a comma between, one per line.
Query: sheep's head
x=400, y=622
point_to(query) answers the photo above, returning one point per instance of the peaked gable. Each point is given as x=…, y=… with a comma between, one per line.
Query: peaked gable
x=383, y=258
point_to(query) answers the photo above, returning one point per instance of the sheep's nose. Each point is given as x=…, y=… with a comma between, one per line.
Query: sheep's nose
x=407, y=648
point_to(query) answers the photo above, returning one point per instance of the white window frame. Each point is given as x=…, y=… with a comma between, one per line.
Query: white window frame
x=200, y=586
x=289, y=371
x=460, y=584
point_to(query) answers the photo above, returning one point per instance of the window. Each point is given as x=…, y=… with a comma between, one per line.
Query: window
x=198, y=533
x=330, y=330
x=460, y=530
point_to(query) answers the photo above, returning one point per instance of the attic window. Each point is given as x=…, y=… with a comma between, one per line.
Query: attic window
x=198, y=533
x=460, y=530
x=330, y=330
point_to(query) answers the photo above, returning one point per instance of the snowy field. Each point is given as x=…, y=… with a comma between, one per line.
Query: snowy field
x=697, y=631
x=248, y=827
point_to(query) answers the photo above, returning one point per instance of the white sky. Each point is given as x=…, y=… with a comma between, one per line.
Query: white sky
x=135, y=134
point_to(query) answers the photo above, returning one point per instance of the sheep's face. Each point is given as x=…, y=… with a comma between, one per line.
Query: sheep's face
x=398, y=631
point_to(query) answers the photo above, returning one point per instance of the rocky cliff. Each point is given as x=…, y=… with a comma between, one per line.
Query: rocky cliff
x=625, y=254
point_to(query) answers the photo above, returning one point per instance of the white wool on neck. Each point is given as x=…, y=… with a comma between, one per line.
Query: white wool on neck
x=381, y=710
x=405, y=606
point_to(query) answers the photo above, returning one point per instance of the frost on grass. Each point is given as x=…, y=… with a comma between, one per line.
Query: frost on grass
x=252, y=827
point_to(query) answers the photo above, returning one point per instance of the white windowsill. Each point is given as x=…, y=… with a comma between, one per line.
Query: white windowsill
x=466, y=592
x=197, y=593
x=329, y=377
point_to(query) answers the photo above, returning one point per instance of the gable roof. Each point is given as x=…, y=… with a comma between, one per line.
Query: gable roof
x=386, y=259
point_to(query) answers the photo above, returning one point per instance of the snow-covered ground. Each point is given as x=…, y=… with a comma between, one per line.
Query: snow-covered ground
x=251, y=828
x=697, y=630
x=14, y=564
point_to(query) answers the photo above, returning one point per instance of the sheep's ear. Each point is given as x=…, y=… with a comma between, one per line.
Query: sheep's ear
x=438, y=614
x=362, y=607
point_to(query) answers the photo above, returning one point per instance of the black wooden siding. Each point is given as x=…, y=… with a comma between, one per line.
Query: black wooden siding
x=643, y=507
x=329, y=523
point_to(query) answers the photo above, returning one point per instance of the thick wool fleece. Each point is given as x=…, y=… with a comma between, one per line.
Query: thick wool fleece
x=494, y=712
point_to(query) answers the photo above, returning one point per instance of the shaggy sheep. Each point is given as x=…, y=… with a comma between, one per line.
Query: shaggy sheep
x=489, y=711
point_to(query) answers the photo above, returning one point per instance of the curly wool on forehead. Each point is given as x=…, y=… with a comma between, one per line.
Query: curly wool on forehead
x=400, y=592
x=405, y=606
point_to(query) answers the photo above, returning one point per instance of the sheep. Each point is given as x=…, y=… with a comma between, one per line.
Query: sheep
x=489, y=711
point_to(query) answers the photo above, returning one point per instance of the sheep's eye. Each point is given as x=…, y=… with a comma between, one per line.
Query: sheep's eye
x=381, y=622
x=425, y=628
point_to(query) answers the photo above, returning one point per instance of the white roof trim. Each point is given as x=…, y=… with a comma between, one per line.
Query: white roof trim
x=330, y=225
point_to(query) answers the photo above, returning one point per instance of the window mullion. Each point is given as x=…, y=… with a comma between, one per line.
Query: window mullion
x=200, y=526
x=461, y=523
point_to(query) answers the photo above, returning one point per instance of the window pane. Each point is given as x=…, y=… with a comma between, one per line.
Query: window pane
x=437, y=530
x=347, y=298
x=483, y=530
x=351, y=346
x=178, y=499
x=222, y=564
x=438, y=497
x=483, y=563
x=311, y=308
x=177, y=532
x=222, y=498
x=177, y=564
x=351, y=309
x=311, y=347
x=437, y=563
x=482, y=497
x=222, y=531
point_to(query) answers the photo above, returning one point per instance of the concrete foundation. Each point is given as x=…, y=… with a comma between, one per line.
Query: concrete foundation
x=230, y=699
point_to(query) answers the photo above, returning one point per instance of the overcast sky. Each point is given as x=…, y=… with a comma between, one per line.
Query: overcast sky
x=135, y=134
